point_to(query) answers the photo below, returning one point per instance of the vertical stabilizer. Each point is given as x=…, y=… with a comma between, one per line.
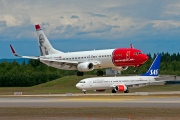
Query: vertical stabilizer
x=44, y=44
x=154, y=69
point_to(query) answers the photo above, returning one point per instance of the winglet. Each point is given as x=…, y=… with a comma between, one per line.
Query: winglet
x=13, y=51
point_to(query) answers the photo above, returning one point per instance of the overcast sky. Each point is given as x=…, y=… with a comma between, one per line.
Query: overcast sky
x=75, y=25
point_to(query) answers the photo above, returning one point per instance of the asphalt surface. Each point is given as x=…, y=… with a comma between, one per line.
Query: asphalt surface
x=82, y=100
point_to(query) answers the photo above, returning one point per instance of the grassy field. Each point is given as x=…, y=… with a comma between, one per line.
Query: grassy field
x=67, y=85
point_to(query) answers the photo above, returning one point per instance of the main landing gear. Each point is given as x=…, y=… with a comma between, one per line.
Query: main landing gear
x=100, y=73
x=80, y=73
x=127, y=91
x=114, y=91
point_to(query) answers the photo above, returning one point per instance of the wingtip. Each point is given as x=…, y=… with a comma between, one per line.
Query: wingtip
x=13, y=51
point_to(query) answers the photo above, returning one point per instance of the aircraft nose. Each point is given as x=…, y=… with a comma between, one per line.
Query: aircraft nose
x=77, y=85
x=145, y=58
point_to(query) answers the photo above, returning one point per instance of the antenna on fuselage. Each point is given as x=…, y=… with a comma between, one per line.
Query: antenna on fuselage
x=131, y=45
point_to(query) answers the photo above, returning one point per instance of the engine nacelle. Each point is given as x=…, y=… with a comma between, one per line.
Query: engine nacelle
x=86, y=66
x=120, y=88
x=121, y=68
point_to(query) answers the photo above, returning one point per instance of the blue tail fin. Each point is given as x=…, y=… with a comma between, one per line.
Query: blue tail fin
x=154, y=69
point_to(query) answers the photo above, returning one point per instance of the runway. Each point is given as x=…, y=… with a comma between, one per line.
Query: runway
x=141, y=105
x=93, y=100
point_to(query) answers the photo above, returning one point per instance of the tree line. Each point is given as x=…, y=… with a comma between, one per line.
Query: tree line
x=14, y=74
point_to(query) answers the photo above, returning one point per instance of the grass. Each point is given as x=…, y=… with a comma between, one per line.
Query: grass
x=67, y=85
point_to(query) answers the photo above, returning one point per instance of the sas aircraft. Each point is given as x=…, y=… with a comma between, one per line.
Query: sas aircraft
x=121, y=84
x=117, y=59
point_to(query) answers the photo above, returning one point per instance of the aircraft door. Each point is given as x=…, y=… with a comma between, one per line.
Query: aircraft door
x=90, y=82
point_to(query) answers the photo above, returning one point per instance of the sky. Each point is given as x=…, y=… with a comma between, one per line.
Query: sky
x=76, y=25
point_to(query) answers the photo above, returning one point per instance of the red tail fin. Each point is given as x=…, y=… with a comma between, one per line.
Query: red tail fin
x=38, y=27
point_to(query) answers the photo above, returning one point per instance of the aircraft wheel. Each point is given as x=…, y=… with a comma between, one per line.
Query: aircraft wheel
x=127, y=91
x=100, y=73
x=113, y=91
x=85, y=92
x=80, y=73
x=135, y=69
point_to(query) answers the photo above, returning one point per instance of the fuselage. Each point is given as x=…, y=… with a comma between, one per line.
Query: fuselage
x=103, y=83
x=109, y=58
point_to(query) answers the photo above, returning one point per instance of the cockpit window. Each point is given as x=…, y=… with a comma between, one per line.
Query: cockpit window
x=82, y=82
x=140, y=52
x=137, y=53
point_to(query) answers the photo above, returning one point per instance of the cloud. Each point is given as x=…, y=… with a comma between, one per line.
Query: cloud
x=74, y=17
x=108, y=20
x=96, y=14
x=149, y=25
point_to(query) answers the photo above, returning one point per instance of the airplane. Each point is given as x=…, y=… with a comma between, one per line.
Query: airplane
x=121, y=84
x=117, y=59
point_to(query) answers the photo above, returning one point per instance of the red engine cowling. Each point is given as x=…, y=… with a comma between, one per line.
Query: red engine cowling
x=120, y=88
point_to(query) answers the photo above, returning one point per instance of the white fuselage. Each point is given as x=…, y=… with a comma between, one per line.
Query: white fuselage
x=102, y=57
x=103, y=83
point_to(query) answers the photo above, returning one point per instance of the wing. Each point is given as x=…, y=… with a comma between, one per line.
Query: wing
x=64, y=62
x=49, y=61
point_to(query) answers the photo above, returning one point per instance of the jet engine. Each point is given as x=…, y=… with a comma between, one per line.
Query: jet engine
x=120, y=88
x=121, y=68
x=86, y=66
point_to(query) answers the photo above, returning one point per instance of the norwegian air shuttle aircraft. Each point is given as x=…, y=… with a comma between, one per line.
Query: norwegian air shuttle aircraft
x=121, y=84
x=117, y=59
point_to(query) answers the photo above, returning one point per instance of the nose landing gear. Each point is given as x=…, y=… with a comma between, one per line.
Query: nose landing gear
x=136, y=69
